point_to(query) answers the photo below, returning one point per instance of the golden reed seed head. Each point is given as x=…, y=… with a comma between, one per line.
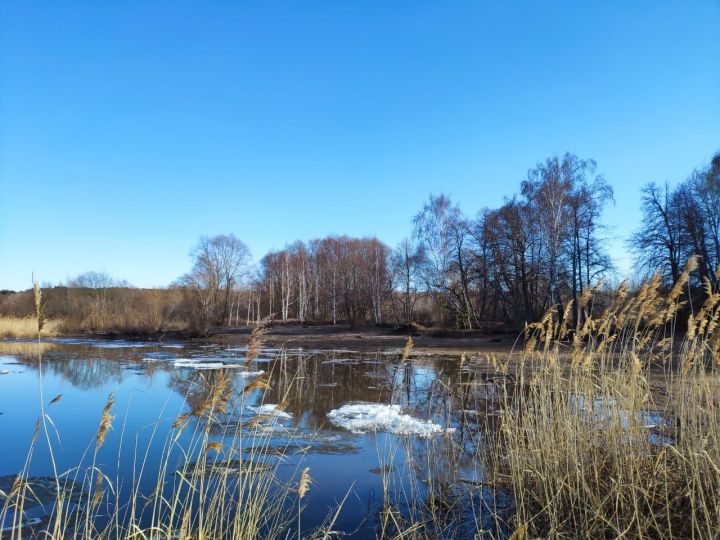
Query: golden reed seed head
x=106, y=419
x=408, y=348
x=305, y=482
x=214, y=446
x=255, y=341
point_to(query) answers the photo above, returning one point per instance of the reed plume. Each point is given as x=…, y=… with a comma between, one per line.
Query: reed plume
x=408, y=348
x=257, y=384
x=214, y=446
x=37, y=297
x=106, y=419
x=99, y=492
x=255, y=342
x=305, y=481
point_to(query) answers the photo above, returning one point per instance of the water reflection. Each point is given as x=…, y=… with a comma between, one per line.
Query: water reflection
x=440, y=474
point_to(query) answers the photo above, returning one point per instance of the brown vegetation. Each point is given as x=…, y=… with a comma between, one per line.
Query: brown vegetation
x=27, y=327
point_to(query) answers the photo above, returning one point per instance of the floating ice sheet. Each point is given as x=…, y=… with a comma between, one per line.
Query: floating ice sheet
x=343, y=361
x=270, y=409
x=158, y=356
x=194, y=364
x=121, y=344
x=109, y=343
x=364, y=417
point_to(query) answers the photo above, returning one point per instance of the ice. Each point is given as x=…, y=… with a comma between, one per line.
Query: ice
x=121, y=344
x=270, y=409
x=201, y=363
x=158, y=356
x=244, y=349
x=194, y=364
x=205, y=358
x=68, y=341
x=343, y=361
x=364, y=417
x=10, y=525
x=607, y=410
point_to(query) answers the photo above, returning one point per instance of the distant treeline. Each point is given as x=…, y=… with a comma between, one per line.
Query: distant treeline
x=107, y=306
x=545, y=246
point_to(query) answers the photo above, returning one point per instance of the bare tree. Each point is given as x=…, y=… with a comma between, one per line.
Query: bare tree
x=589, y=261
x=405, y=269
x=443, y=233
x=514, y=260
x=680, y=223
x=328, y=279
x=657, y=243
x=219, y=264
x=565, y=195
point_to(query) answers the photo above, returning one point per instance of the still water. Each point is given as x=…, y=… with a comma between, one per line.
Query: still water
x=361, y=422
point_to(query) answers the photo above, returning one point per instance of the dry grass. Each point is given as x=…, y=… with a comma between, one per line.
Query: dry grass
x=27, y=327
x=607, y=430
x=576, y=445
x=26, y=348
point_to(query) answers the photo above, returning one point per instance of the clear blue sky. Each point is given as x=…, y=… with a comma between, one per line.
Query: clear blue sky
x=128, y=129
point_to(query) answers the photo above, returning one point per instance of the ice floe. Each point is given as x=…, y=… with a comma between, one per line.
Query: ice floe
x=270, y=409
x=121, y=344
x=343, y=361
x=158, y=356
x=364, y=417
x=112, y=343
x=189, y=363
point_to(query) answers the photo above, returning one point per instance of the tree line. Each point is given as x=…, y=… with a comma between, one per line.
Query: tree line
x=545, y=246
x=503, y=265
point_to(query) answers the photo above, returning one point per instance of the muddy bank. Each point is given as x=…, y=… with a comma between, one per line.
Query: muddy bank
x=373, y=339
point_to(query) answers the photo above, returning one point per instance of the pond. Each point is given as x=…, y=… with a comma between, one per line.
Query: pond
x=377, y=433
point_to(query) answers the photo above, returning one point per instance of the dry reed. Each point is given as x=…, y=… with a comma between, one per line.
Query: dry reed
x=27, y=327
x=585, y=445
x=255, y=340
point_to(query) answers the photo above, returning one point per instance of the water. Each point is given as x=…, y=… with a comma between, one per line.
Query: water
x=351, y=418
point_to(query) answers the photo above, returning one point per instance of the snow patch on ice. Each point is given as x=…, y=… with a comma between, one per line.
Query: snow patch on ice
x=270, y=409
x=364, y=417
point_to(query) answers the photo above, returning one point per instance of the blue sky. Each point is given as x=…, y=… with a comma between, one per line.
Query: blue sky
x=128, y=129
